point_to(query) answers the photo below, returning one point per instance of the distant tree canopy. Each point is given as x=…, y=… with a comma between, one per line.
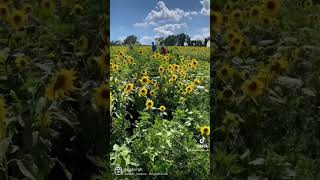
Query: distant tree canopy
x=181, y=39
x=116, y=43
x=132, y=39
x=172, y=40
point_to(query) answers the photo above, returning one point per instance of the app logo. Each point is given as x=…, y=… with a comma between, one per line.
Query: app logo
x=118, y=170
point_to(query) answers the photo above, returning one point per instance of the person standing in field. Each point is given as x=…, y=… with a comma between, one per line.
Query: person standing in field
x=163, y=50
x=154, y=47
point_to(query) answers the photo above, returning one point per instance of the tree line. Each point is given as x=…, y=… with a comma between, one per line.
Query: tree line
x=172, y=40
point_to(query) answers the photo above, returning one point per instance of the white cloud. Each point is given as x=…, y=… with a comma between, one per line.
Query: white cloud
x=205, y=7
x=169, y=29
x=146, y=39
x=204, y=33
x=162, y=14
x=122, y=38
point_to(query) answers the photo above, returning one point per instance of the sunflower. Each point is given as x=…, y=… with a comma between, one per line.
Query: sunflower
x=22, y=61
x=244, y=74
x=121, y=54
x=130, y=60
x=253, y=87
x=278, y=65
x=18, y=19
x=176, y=67
x=272, y=7
x=83, y=42
x=141, y=52
x=102, y=96
x=4, y=12
x=226, y=94
x=255, y=12
x=307, y=4
x=189, y=89
x=115, y=67
x=49, y=6
x=226, y=72
x=194, y=62
x=27, y=9
x=145, y=72
x=154, y=82
x=77, y=9
x=230, y=120
x=143, y=91
x=61, y=83
x=152, y=93
x=149, y=104
x=145, y=80
x=174, y=77
x=228, y=6
x=162, y=108
x=129, y=88
x=237, y=16
x=205, y=130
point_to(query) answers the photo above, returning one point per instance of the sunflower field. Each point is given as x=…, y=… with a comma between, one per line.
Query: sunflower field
x=51, y=89
x=160, y=111
x=265, y=61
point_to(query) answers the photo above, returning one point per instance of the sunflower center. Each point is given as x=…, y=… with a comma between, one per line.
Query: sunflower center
x=236, y=41
x=28, y=9
x=47, y=5
x=60, y=82
x=253, y=86
x=227, y=93
x=23, y=63
x=144, y=80
x=205, y=130
x=149, y=103
x=275, y=67
x=78, y=10
x=224, y=72
x=143, y=91
x=271, y=5
x=255, y=12
x=3, y=11
x=17, y=19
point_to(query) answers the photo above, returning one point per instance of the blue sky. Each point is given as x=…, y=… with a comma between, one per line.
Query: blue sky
x=148, y=19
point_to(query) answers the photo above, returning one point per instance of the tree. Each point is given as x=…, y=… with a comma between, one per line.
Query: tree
x=132, y=39
x=170, y=40
x=116, y=43
x=181, y=39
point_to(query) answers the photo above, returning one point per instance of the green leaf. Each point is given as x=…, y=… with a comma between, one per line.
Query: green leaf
x=25, y=171
x=4, y=144
x=66, y=172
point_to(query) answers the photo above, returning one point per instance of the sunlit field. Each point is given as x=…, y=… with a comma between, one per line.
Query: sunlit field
x=160, y=110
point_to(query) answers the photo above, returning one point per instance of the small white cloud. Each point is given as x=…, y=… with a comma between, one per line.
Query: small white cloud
x=162, y=14
x=204, y=33
x=169, y=29
x=147, y=39
x=205, y=7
